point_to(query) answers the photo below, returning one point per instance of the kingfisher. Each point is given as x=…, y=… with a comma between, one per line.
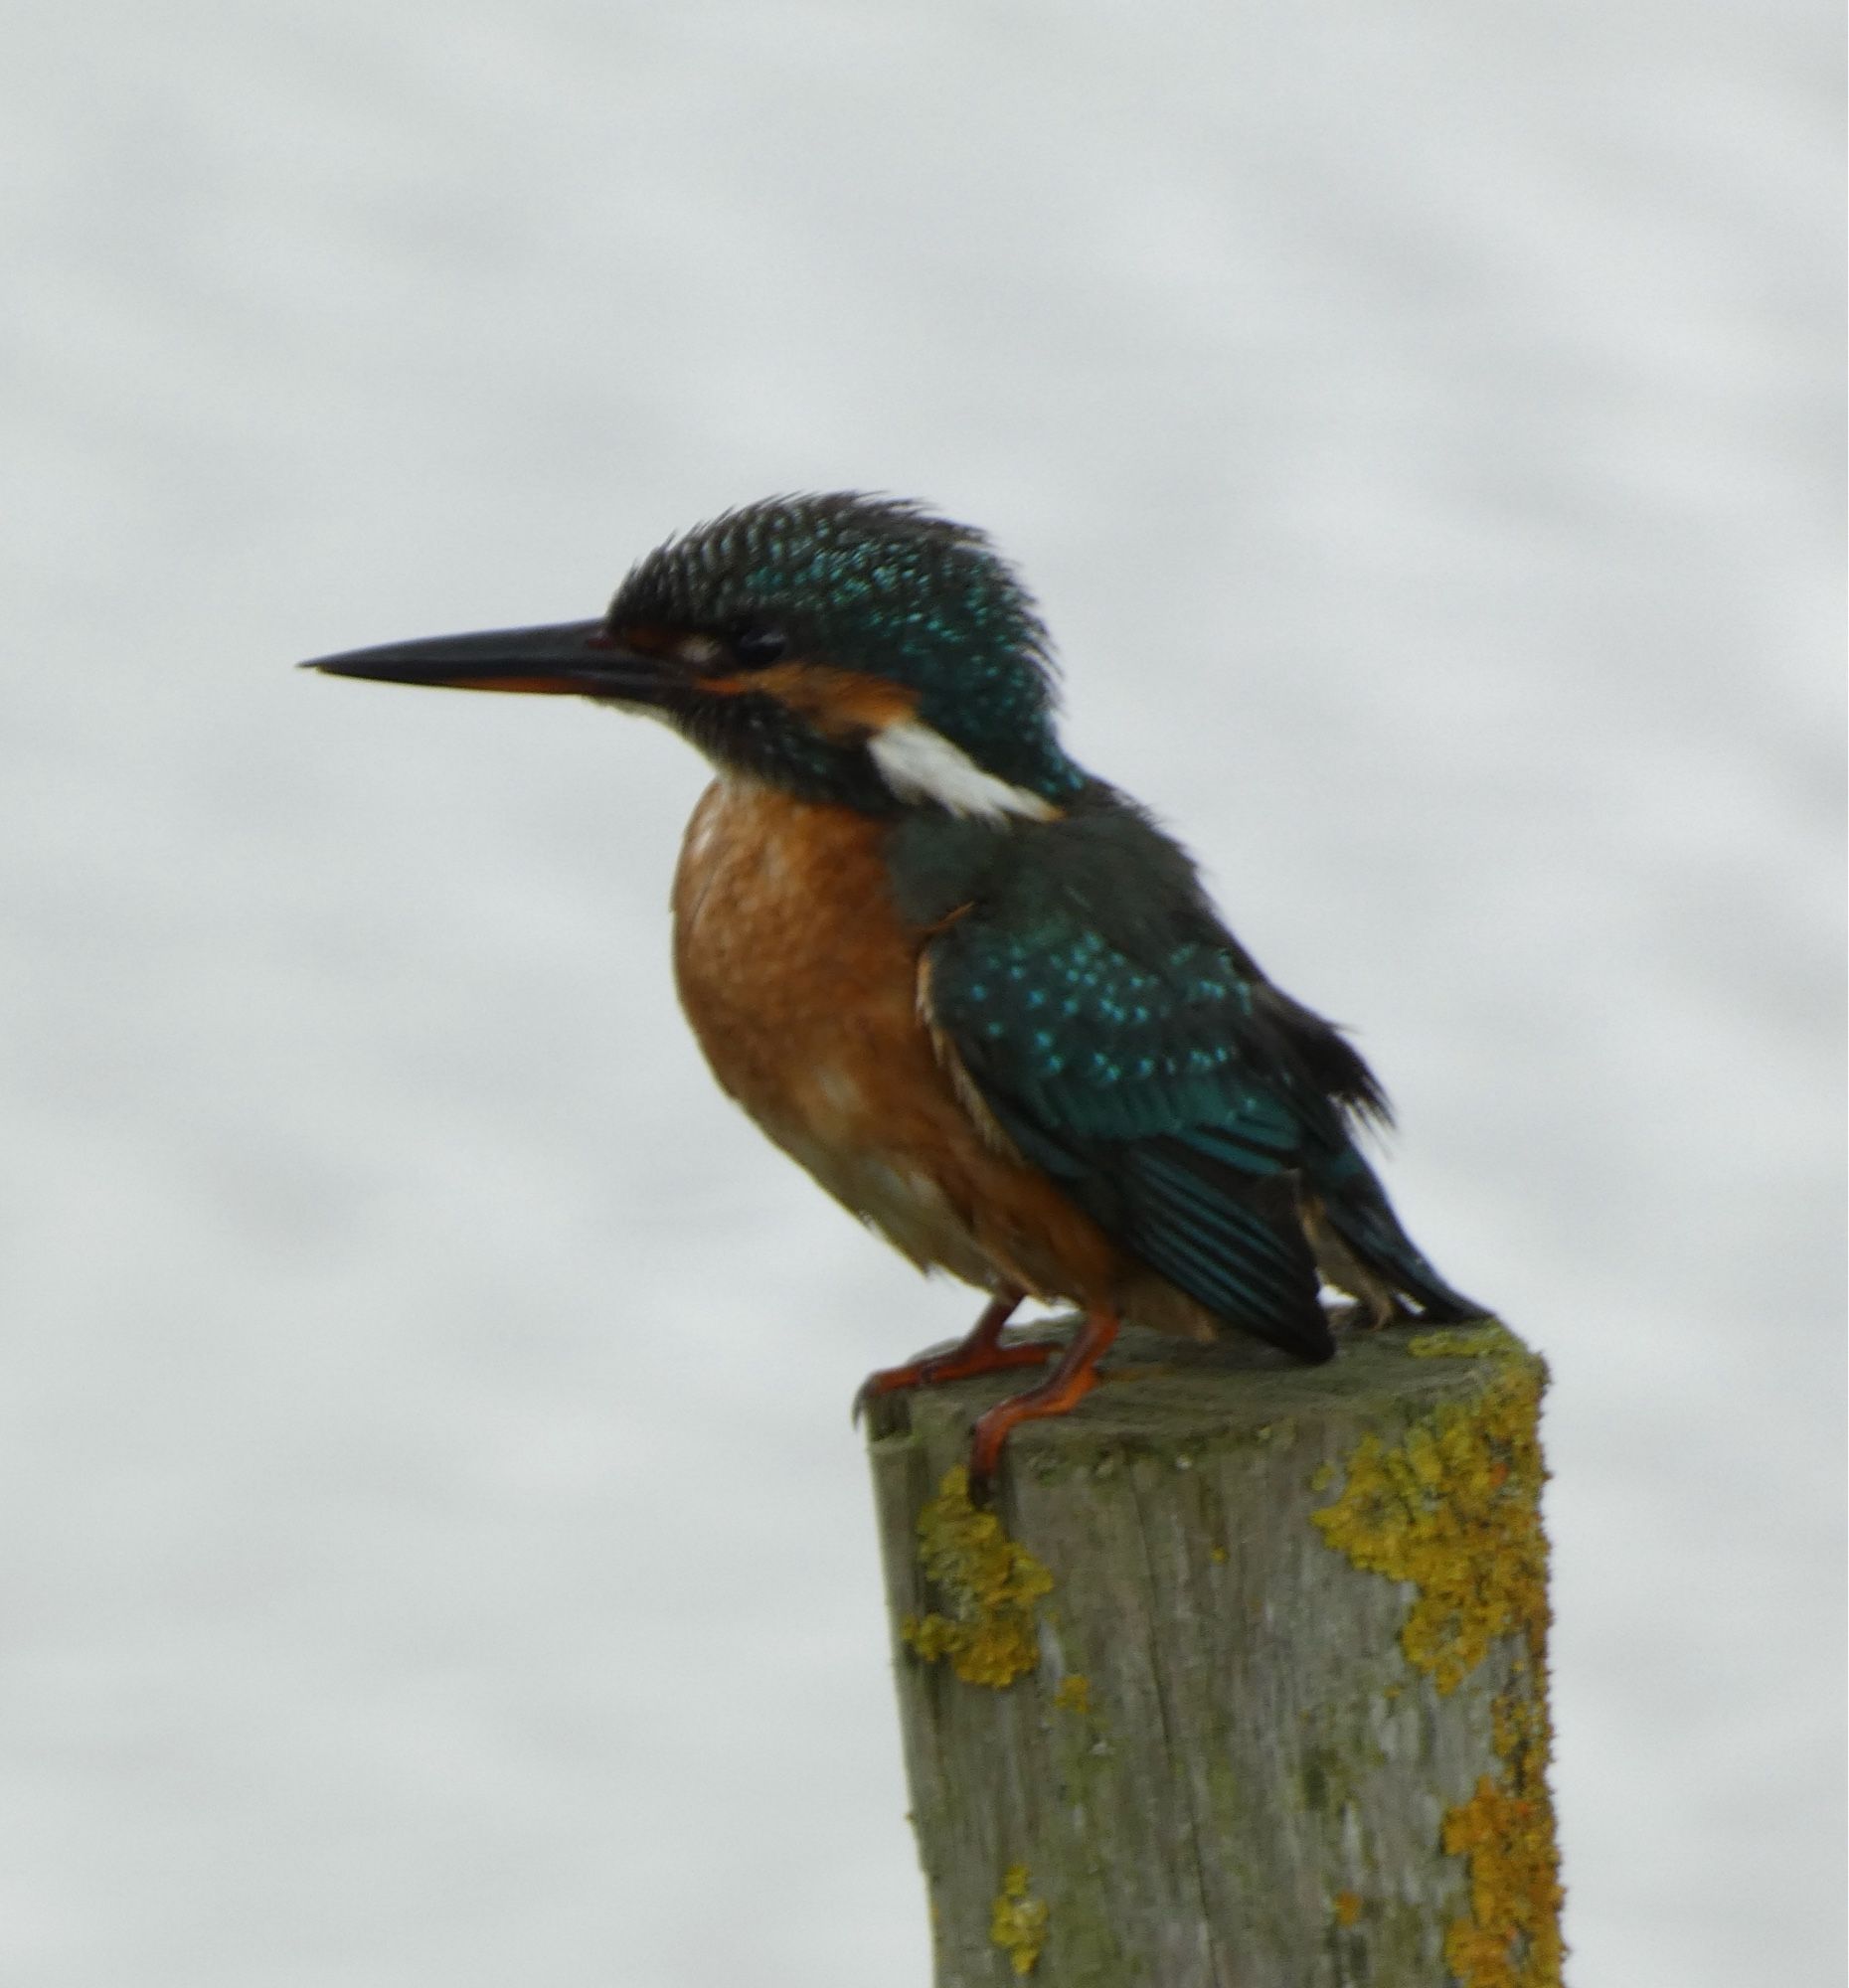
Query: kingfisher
x=975, y=990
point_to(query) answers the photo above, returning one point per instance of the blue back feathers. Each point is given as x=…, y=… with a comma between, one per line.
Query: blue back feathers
x=1130, y=1045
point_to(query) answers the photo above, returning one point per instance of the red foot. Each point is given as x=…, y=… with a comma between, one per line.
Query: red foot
x=1068, y=1383
x=979, y=1351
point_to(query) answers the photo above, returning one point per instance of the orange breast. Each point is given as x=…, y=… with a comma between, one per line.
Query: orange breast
x=803, y=985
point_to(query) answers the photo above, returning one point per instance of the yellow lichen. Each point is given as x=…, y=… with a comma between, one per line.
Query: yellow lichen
x=1074, y=1694
x=988, y=1586
x=1018, y=1923
x=1455, y=1510
x=1451, y=1344
x=1347, y=1908
x=1506, y=1828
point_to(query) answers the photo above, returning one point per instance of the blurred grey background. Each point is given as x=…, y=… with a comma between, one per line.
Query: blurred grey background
x=434, y=1548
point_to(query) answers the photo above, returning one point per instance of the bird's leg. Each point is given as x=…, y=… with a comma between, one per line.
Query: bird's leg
x=1073, y=1379
x=979, y=1351
x=1375, y=1303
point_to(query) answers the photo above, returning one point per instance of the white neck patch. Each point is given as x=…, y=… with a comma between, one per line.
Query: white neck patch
x=921, y=764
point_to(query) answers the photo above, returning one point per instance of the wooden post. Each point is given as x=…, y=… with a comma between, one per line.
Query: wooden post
x=1242, y=1681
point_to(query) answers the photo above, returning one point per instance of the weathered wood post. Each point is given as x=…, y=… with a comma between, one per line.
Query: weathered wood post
x=1242, y=1683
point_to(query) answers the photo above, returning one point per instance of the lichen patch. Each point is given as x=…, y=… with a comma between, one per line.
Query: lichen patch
x=1452, y=1344
x=1018, y=1921
x=1455, y=1511
x=987, y=1586
x=1074, y=1693
x=1511, y=1938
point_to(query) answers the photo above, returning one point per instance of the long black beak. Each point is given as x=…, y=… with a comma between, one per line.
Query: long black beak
x=573, y=659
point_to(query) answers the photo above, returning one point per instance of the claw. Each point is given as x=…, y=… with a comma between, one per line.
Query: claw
x=1068, y=1383
x=979, y=1351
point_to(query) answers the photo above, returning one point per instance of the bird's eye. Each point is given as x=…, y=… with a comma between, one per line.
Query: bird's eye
x=757, y=646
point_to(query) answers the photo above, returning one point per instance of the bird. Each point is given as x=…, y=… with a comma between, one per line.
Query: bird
x=974, y=989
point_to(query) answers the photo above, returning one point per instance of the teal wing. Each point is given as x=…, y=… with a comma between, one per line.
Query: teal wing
x=1171, y=1091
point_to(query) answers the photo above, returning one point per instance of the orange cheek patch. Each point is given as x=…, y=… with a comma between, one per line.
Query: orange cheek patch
x=840, y=703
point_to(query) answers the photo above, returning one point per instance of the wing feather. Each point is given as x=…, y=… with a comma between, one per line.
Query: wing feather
x=1156, y=1091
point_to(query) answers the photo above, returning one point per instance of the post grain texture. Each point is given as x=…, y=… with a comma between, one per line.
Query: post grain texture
x=1241, y=1680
